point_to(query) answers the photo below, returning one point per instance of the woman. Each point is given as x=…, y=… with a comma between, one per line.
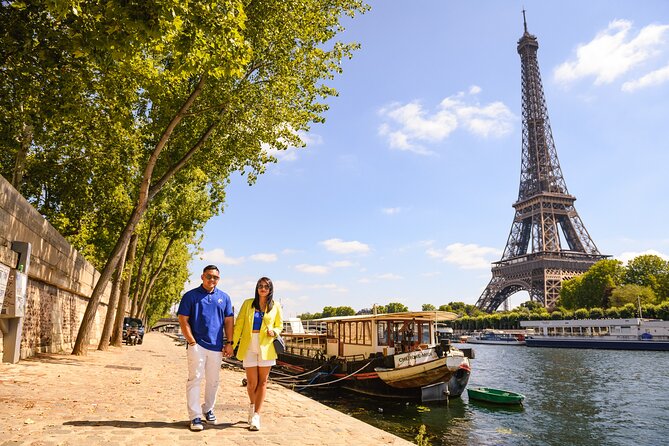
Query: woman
x=258, y=323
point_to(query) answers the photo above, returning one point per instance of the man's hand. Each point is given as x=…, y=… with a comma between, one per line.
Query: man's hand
x=227, y=350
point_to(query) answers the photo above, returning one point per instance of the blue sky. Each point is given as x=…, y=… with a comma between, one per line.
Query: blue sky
x=405, y=193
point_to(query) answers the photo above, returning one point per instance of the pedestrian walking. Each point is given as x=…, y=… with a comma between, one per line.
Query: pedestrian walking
x=258, y=323
x=204, y=314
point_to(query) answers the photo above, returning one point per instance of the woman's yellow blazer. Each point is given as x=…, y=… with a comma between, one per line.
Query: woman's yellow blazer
x=244, y=326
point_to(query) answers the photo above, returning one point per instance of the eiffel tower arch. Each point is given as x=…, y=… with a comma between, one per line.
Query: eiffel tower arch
x=548, y=242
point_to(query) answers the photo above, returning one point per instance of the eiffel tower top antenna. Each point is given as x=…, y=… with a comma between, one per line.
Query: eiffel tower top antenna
x=524, y=21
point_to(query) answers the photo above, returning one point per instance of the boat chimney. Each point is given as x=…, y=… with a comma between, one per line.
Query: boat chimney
x=374, y=309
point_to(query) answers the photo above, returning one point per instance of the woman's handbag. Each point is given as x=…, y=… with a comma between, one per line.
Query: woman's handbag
x=279, y=345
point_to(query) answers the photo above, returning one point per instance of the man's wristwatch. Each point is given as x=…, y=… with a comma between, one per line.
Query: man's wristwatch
x=229, y=342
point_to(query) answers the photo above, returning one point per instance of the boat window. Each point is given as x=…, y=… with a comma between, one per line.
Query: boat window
x=367, y=338
x=333, y=330
x=382, y=332
x=424, y=333
x=347, y=332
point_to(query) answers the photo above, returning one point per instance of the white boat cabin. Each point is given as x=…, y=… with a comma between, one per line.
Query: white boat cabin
x=362, y=335
x=632, y=328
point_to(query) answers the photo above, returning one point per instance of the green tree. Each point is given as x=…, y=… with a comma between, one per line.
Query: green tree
x=531, y=305
x=594, y=287
x=428, y=307
x=329, y=311
x=344, y=311
x=628, y=311
x=650, y=271
x=630, y=293
x=461, y=309
x=596, y=313
x=214, y=84
x=309, y=316
x=581, y=313
x=645, y=269
x=396, y=307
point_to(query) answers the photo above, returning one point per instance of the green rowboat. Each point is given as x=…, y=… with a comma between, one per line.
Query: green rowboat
x=494, y=395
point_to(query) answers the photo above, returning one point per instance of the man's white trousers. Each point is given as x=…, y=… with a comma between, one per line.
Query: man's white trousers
x=202, y=363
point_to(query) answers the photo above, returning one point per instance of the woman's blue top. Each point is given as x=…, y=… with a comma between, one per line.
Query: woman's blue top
x=257, y=320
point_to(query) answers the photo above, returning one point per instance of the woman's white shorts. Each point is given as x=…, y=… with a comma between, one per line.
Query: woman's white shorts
x=252, y=358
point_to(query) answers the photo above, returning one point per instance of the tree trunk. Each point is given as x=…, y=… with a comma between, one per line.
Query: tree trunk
x=141, y=308
x=117, y=336
x=140, y=272
x=113, y=303
x=25, y=140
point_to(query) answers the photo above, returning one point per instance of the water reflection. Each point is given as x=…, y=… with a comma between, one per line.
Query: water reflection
x=573, y=397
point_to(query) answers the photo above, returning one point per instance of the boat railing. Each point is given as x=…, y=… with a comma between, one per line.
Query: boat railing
x=308, y=345
x=352, y=358
x=308, y=352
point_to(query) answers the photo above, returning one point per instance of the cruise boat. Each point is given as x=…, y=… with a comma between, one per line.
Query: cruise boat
x=619, y=334
x=497, y=337
x=393, y=355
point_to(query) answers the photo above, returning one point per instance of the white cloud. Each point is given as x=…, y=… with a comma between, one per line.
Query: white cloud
x=311, y=139
x=289, y=154
x=281, y=286
x=264, y=257
x=431, y=274
x=465, y=256
x=389, y=276
x=651, y=79
x=218, y=256
x=312, y=269
x=408, y=126
x=492, y=120
x=342, y=264
x=391, y=211
x=341, y=247
x=612, y=53
x=627, y=256
x=289, y=251
x=331, y=287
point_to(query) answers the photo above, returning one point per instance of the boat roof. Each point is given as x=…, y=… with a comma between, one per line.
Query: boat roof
x=423, y=315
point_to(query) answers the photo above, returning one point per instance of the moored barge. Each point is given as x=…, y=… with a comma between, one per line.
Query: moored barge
x=393, y=355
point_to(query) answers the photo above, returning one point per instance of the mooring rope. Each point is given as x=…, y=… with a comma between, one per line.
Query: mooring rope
x=289, y=377
x=336, y=380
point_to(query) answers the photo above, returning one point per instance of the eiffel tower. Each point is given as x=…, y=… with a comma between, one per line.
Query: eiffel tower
x=534, y=259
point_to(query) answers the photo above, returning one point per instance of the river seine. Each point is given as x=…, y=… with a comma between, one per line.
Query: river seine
x=572, y=397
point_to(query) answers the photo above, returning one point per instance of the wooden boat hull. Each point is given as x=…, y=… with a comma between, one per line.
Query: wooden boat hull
x=378, y=381
x=597, y=343
x=496, y=396
x=421, y=374
x=472, y=340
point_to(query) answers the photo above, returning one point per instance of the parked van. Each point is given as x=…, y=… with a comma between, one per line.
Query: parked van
x=133, y=322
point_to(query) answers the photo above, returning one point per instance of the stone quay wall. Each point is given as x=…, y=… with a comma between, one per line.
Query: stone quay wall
x=60, y=279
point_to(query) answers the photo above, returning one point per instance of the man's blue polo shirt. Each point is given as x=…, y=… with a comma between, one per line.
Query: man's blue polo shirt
x=206, y=315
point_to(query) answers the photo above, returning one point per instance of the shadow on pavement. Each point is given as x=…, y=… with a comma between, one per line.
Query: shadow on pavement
x=149, y=424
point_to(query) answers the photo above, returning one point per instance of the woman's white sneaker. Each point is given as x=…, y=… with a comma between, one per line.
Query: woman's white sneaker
x=252, y=409
x=255, y=422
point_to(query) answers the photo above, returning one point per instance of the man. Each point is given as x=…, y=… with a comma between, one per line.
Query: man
x=203, y=314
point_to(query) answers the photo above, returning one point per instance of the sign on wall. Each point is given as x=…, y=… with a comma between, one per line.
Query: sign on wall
x=4, y=277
